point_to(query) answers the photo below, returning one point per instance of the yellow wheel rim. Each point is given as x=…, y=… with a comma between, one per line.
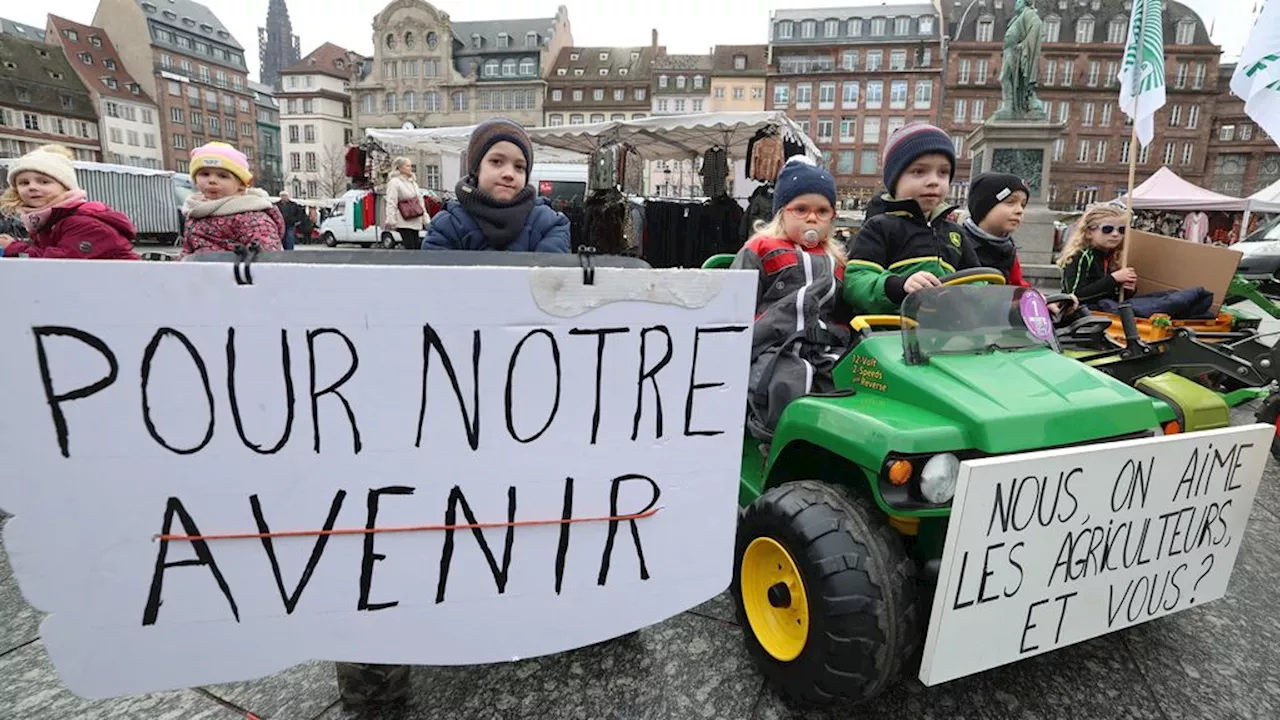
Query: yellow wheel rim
x=774, y=599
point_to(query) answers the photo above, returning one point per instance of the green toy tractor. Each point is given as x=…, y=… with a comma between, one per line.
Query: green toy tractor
x=844, y=513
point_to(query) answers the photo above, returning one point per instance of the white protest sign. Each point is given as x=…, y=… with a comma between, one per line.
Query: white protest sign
x=1050, y=548
x=485, y=441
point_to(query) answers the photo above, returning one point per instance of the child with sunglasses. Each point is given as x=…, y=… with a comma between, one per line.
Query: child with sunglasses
x=801, y=327
x=1090, y=270
x=1089, y=258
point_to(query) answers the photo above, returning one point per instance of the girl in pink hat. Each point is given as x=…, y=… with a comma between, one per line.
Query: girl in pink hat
x=226, y=210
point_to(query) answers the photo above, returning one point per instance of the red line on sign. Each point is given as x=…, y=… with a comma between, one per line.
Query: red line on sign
x=411, y=528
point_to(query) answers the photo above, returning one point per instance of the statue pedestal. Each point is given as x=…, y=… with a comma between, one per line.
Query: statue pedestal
x=1023, y=148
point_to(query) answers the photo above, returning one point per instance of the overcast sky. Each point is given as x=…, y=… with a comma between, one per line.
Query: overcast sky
x=684, y=26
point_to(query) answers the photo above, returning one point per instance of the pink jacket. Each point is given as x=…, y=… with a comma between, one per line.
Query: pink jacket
x=219, y=225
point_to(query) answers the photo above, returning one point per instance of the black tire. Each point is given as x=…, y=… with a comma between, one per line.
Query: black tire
x=388, y=241
x=860, y=586
x=1269, y=413
x=330, y=240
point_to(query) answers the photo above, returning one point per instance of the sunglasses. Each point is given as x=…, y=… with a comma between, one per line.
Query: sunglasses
x=801, y=212
x=1108, y=229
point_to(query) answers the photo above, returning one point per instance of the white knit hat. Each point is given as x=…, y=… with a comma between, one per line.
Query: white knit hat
x=48, y=160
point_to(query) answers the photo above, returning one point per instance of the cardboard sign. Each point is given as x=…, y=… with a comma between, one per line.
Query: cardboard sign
x=1051, y=548
x=419, y=465
x=1165, y=263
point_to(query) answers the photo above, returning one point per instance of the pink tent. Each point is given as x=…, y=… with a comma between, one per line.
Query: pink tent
x=1165, y=190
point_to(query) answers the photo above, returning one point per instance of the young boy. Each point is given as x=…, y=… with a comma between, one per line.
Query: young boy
x=906, y=242
x=996, y=203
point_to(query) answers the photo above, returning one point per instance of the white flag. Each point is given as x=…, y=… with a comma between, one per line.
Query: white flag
x=1257, y=76
x=1142, y=72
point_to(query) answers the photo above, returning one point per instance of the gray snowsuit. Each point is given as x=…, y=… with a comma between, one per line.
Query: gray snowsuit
x=801, y=329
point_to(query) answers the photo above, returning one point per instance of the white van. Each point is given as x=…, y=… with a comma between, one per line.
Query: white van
x=339, y=228
x=560, y=182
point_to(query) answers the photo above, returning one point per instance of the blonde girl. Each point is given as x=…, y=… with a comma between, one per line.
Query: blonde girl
x=801, y=315
x=1090, y=260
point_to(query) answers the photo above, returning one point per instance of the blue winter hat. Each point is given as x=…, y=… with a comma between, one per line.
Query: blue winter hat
x=801, y=176
x=910, y=142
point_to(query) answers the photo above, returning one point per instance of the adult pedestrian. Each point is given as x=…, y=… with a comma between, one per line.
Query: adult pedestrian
x=294, y=217
x=404, y=211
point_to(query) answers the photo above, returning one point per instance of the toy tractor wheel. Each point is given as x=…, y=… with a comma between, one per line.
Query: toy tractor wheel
x=1269, y=413
x=825, y=593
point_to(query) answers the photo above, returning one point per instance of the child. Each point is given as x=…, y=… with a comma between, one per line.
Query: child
x=800, y=330
x=496, y=209
x=1090, y=270
x=225, y=211
x=996, y=203
x=906, y=242
x=60, y=221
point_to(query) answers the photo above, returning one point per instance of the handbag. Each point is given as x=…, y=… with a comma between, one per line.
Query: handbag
x=410, y=208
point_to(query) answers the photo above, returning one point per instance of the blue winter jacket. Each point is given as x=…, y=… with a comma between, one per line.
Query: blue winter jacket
x=545, y=230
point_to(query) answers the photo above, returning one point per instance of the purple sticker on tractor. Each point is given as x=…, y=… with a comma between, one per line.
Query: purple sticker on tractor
x=1035, y=313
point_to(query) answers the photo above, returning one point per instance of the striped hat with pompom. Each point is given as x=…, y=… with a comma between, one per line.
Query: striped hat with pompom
x=910, y=142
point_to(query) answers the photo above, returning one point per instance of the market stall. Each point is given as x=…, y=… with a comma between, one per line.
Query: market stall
x=739, y=154
x=1169, y=205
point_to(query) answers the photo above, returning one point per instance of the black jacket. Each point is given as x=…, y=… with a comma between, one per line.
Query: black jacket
x=896, y=241
x=1088, y=276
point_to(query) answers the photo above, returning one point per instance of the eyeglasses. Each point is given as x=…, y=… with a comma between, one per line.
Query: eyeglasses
x=800, y=212
x=1108, y=229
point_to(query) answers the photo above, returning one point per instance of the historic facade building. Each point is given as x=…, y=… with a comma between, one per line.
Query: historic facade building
x=739, y=77
x=1082, y=45
x=129, y=121
x=1242, y=159
x=431, y=71
x=595, y=84
x=42, y=100
x=316, y=121
x=278, y=47
x=851, y=76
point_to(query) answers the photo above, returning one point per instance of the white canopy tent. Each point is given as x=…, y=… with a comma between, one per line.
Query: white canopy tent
x=1166, y=190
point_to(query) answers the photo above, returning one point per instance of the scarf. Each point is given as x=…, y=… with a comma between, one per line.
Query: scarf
x=37, y=220
x=499, y=222
x=253, y=199
x=1001, y=245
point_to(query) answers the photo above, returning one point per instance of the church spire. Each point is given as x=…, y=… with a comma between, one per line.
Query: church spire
x=278, y=47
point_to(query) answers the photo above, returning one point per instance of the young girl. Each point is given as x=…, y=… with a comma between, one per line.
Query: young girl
x=1091, y=257
x=226, y=211
x=496, y=209
x=1090, y=271
x=60, y=221
x=801, y=317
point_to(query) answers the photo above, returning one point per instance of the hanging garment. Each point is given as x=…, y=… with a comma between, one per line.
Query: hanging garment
x=685, y=234
x=715, y=171
x=759, y=209
x=605, y=221
x=764, y=158
x=1195, y=227
x=355, y=162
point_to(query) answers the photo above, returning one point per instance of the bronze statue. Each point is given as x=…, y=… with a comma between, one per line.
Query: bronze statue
x=1020, y=71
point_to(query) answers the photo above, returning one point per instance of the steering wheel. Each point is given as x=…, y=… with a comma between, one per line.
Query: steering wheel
x=1061, y=314
x=973, y=275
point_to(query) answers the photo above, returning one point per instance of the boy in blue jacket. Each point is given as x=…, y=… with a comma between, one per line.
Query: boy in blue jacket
x=496, y=208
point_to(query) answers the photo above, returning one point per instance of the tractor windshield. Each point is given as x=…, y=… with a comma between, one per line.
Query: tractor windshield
x=971, y=319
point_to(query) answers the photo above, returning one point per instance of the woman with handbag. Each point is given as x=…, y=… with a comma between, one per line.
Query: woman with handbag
x=404, y=210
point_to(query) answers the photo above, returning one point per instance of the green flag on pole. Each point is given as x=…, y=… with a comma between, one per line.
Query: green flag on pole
x=1142, y=72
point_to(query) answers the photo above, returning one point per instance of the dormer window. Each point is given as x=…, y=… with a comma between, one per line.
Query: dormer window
x=188, y=22
x=662, y=81
x=339, y=64
x=573, y=56
x=635, y=56
x=71, y=35
x=206, y=27
x=577, y=72
x=43, y=53
x=604, y=71
x=926, y=24
x=55, y=75
x=85, y=58
x=109, y=64
x=1185, y=32
x=170, y=15
x=111, y=83
x=476, y=41
x=224, y=34
x=560, y=71
x=135, y=88
x=604, y=57
x=622, y=71
x=148, y=7
x=504, y=40
x=95, y=41
x=739, y=62
x=531, y=39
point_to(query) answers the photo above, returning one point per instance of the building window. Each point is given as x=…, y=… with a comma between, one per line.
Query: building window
x=986, y=27
x=1180, y=78
x=825, y=129
x=557, y=95
x=1175, y=116
x=1100, y=156
x=877, y=27
x=576, y=119
x=982, y=72
x=1068, y=72
x=961, y=111
x=1084, y=30
x=366, y=103
x=431, y=102
x=870, y=159
x=831, y=28
x=1246, y=132
x=804, y=95
x=808, y=29
x=739, y=62
x=528, y=66
x=898, y=94
x=871, y=130
x=1083, y=155
x=179, y=142
x=898, y=60
x=875, y=95
x=459, y=101
x=1087, y=119
x=1106, y=115
x=1198, y=82
x=848, y=129
x=854, y=27
x=844, y=165
x=785, y=30
x=680, y=103
x=1193, y=117
x=849, y=94
x=962, y=72
x=410, y=102
x=1095, y=69
x=680, y=82
x=577, y=96
x=389, y=102
x=1144, y=155
x=491, y=68
x=175, y=114
x=1064, y=110
x=1050, y=72
x=902, y=26
x=958, y=142
x=531, y=39
x=849, y=60
x=924, y=94
x=1185, y=33
x=555, y=120
x=620, y=95
x=662, y=81
x=295, y=162
x=781, y=95
x=875, y=60
x=1112, y=74
x=1227, y=133
x=826, y=95
x=979, y=111
x=509, y=67
x=311, y=162
x=1188, y=153
x=597, y=117
x=641, y=93
x=1168, y=153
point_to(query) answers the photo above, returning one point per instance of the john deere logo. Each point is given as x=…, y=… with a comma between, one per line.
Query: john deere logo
x=955, y=239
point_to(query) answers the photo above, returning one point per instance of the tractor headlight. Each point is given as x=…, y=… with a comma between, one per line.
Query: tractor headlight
x=938, y=478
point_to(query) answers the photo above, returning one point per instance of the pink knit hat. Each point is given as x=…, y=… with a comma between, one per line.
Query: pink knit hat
x=223, y=156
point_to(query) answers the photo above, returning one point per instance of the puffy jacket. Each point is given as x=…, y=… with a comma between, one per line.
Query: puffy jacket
x=401, y=188
x=453, y=228
x=220, y=225
x=896, y=241
x=995, y=252
x=86, y=231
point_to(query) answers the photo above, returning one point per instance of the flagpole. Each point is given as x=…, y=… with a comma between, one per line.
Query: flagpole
x=1128, y=202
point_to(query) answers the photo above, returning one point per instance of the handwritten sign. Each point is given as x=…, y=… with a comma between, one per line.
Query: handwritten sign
x=417, y=465
x=1051, y=548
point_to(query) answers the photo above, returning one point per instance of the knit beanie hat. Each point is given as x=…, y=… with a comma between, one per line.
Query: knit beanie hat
x=802, y=176
x=490, y=133
x=908, y=143
x=51, y=160
x=990, y=189
x=223, y=156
